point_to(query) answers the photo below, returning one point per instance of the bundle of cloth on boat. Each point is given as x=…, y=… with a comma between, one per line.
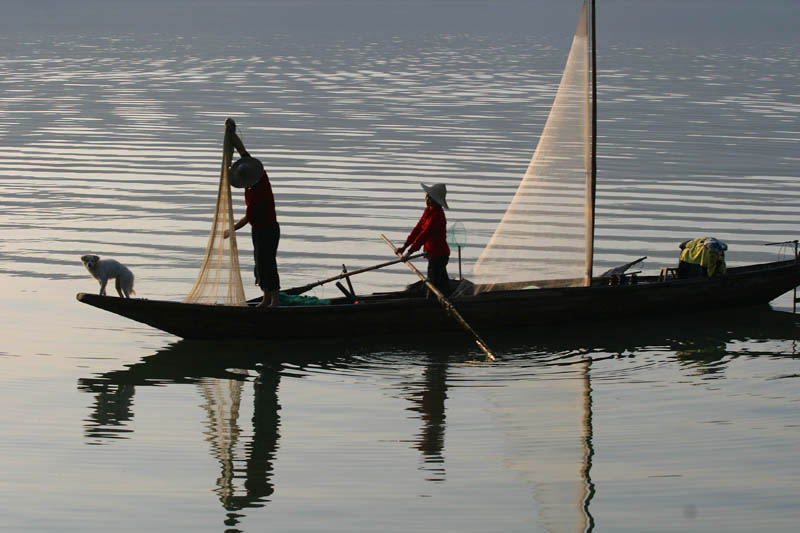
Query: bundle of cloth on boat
x=702, y=257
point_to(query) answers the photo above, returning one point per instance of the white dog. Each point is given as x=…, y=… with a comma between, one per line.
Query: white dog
x=104, y=269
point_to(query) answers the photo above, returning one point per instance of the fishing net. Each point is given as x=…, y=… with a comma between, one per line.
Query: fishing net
x=219, y=280
x=546, y=233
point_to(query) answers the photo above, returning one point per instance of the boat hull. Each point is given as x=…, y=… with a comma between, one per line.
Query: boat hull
x=396, y=315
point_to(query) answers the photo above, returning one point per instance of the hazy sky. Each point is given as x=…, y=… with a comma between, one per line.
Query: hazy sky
x=649, y=19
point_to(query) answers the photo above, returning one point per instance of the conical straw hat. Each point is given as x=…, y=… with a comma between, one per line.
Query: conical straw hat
x=245, y=172
x=437, y=192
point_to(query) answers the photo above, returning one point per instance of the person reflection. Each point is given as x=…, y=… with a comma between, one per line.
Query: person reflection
x=254, y=490
x=429, y=397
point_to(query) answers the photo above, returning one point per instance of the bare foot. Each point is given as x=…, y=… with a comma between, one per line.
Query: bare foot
x=275, y=299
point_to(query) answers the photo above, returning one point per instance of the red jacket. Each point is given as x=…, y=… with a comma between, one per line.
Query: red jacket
x=430, y=231
x=260, y=204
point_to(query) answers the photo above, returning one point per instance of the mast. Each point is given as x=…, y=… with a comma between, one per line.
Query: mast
x=593, y=157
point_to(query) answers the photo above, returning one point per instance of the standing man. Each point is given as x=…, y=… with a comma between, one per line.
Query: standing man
x=249, y=173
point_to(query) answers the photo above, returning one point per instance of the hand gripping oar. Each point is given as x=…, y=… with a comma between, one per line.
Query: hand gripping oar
x=343, y=275
x=448, y=307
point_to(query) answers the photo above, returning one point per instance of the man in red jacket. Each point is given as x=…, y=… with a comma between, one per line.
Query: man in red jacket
x=430, y=233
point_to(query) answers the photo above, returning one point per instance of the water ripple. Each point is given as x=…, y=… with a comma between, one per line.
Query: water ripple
x=120, y=140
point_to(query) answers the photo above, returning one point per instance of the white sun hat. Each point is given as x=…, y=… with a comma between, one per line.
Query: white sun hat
x=437, y=192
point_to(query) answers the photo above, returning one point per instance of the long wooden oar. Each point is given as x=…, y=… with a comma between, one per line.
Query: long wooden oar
x=445, y=304
x=343, y=275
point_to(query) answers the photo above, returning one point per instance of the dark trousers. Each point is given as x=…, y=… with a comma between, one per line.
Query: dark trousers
x=265, y=248
x=437, y=274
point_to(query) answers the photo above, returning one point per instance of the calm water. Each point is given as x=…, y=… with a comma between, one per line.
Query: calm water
x=111, y=145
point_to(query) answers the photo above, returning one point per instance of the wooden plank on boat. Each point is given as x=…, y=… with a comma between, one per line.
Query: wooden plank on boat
x=347, y=294
x=349, y=284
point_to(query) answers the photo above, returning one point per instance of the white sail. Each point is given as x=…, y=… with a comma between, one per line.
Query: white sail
x=546, y=235
x=547, y=230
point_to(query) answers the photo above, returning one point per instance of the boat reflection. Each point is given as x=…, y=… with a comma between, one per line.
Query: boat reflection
x=558, y=468
x=703, y=344
x=223, y=373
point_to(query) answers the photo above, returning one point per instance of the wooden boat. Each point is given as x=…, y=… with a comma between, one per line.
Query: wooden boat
x=397, y=313
x=515, y=305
